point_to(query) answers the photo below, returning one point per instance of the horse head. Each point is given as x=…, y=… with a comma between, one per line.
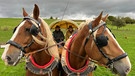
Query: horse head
x=103, y=47
x=28, y=36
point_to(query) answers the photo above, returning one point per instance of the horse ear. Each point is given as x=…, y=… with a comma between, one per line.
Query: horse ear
x=98, y=19
x=36, y=12
x=24, y=12
x=105, y=18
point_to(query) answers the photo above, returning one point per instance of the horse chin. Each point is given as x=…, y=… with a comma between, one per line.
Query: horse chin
x=11, y=63
x=120, y=68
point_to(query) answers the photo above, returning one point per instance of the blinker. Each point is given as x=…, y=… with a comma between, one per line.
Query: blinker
x=34, y=30
x=102, y=40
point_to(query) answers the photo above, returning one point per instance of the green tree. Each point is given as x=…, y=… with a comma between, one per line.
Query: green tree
x=128, y=20
x=119, y=22
x=112, y=18
x=51, y=17
x=109, y=22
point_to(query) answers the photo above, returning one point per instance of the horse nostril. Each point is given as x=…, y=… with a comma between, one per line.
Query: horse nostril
x=127, y=70
x=8, y=58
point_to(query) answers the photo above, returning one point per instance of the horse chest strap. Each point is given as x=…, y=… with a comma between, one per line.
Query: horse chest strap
x=89, y=69
x=41, y=71
x=84, y=71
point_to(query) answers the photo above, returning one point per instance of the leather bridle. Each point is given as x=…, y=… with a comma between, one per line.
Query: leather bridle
x=15, y=44
x=22, y=48
x=110, y=61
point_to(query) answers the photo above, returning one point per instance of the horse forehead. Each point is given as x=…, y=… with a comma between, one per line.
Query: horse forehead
x=17, y=30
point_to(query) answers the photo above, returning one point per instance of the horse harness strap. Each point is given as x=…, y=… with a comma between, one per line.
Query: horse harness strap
x=84, y=71
x=41, y=70
x=35, y=28
x=19, y=46
x=28, y=17
x=92, y=30
x=16, y=45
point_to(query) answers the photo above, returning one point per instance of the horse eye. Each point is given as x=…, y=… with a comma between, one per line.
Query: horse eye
x=107, y=38
x=27, y=29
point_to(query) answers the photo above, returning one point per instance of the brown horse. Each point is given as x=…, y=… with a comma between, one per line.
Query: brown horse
x=94, y=43
x=30, y=36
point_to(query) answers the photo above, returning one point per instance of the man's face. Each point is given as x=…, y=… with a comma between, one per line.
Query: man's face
x=70, y=29
x=57, y=29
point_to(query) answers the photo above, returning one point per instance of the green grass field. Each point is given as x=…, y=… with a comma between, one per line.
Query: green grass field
x=125, y=36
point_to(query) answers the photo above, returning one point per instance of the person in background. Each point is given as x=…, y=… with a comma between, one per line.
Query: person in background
x=58, y=35
x=69, y=32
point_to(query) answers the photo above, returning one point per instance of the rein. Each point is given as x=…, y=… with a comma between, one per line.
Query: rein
x=45, y=48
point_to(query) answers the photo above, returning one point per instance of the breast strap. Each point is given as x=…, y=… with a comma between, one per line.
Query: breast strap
x=42, y=71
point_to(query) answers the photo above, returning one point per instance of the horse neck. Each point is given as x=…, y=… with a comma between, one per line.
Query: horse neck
x=41, y=58
x=79, y=48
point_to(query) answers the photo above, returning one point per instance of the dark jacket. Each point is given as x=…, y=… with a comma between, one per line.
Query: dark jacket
x=58, y=36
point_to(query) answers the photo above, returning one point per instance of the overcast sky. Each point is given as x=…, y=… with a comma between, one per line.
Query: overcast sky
x=77, y=9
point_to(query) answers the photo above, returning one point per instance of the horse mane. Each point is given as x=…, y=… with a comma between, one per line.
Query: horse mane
x=84, y=23
x=53, y=50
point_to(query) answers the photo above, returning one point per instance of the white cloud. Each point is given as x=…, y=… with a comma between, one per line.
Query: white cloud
x=80, y=9
x=130, y=14
x=80, y=16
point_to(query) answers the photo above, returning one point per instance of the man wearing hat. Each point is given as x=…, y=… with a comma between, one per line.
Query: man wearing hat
x=69, y=32
x=58, y=35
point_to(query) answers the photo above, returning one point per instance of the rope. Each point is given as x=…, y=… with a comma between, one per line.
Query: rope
x=44, y=48
x=65, y=10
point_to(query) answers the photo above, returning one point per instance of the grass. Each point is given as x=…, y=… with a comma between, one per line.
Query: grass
x=19, y=70
x=125, y=36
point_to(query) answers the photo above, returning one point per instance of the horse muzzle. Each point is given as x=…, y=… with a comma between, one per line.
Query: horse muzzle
x=12, y=58
x=121, y=67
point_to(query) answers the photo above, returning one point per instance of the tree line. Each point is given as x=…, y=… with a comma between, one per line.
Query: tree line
x=120, y=21
x=116, y=21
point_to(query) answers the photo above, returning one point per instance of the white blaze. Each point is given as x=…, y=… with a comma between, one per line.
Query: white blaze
x=126, y=60
x=12, y=38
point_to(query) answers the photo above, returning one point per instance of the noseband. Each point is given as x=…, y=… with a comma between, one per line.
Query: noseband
x=103, y=42
x=19, y=46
